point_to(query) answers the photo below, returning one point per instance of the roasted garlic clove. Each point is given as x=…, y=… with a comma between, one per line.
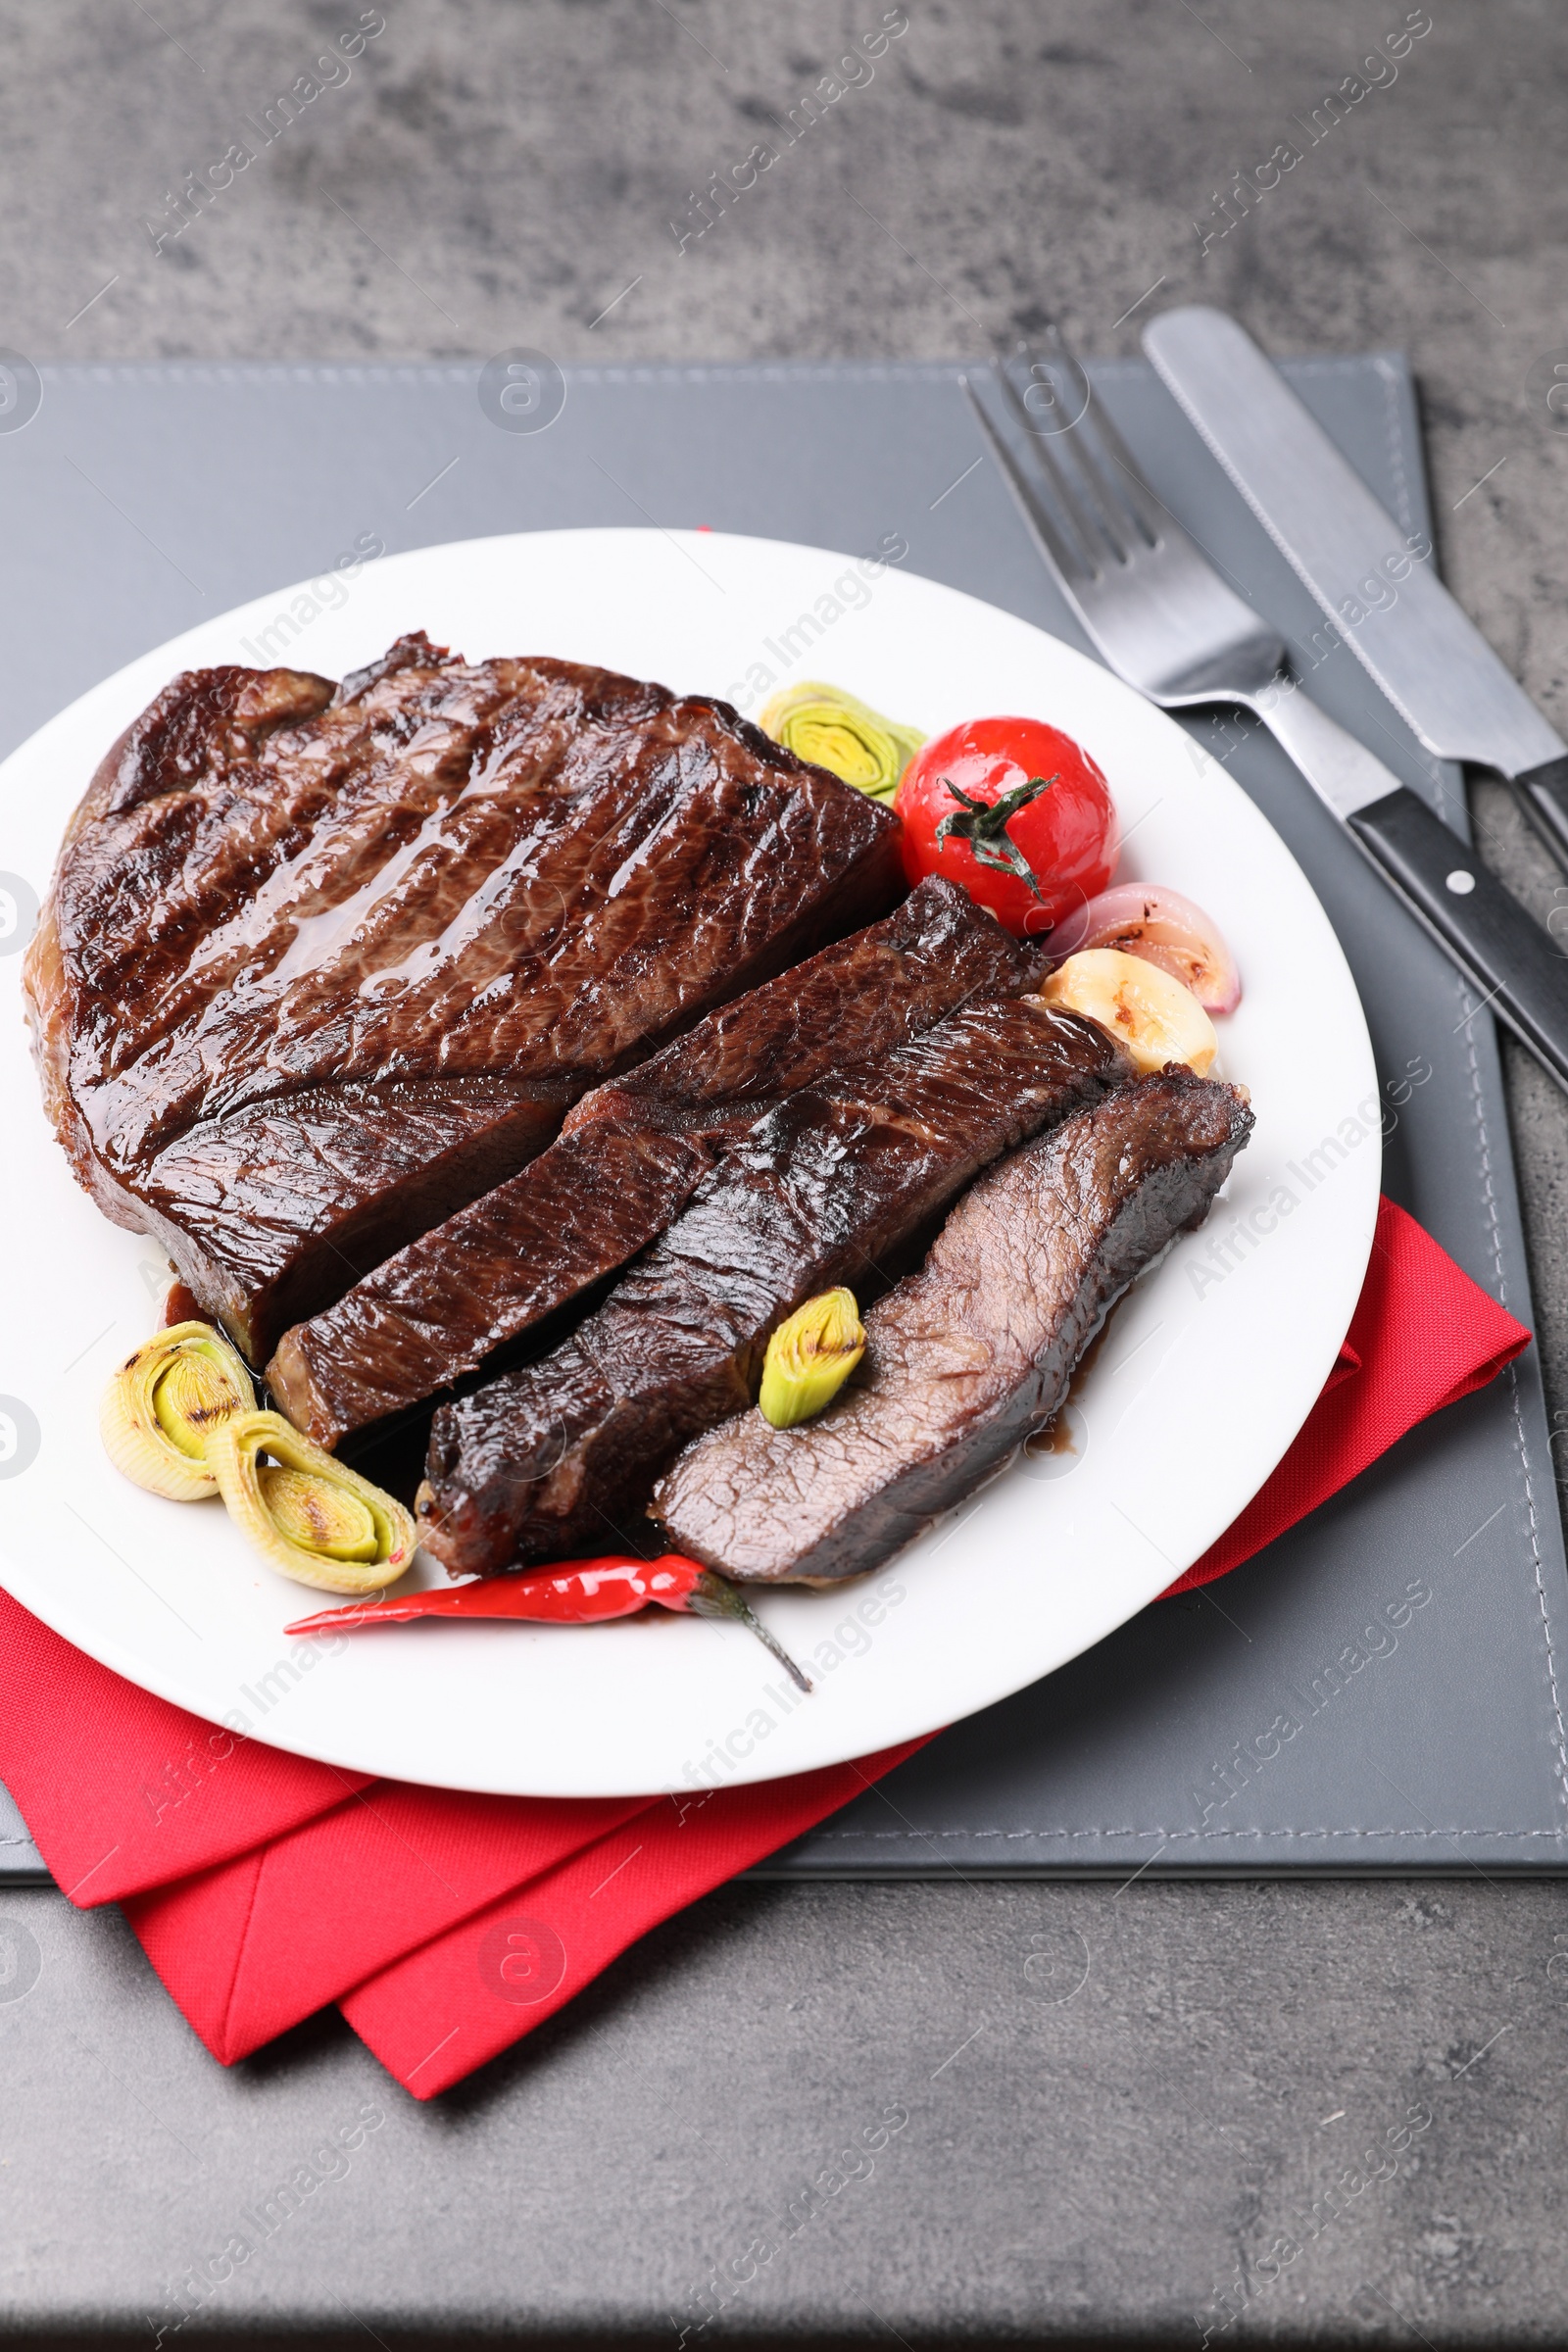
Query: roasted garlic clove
x=312, y=1518
x=161, y=1409
x=810, y=1358
x=837, y=731
x=1151, y=1015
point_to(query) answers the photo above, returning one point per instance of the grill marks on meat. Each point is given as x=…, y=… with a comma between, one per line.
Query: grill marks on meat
x=964, y=1358
x=282, y=1205
x=441, y=1306
x=632, y=1154
x=122, y=916
x=543, y=1461
x=851, y=1001
x=518, y=871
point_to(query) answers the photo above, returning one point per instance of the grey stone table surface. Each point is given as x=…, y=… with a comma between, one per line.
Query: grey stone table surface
x=1133, y=2115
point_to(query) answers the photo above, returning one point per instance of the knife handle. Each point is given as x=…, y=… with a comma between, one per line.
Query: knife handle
x=1516, y=967
x=1543, y=796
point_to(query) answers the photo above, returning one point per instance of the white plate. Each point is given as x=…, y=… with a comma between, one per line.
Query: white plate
x=1213, y=1364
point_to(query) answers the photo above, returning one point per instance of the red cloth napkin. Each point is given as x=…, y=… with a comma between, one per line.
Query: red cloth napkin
x=1423, y=1335
x=446, y=1927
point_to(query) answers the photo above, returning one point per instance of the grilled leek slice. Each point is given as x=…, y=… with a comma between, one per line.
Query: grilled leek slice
x=311, y=1517
x=810, y=1358
x=837, y=731
x=162, y=1405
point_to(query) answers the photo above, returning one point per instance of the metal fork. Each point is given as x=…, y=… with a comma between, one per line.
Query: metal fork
x=1165, y=621
x=1154, y=604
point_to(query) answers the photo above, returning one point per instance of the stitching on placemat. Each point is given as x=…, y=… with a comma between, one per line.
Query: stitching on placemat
x=1071, y=1837
x=1491, y=1199
x=350, y=371
x=1540, y=1584
x=437, y=373
x=761, y=371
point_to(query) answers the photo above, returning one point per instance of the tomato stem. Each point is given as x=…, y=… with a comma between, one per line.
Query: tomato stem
x=983, y=825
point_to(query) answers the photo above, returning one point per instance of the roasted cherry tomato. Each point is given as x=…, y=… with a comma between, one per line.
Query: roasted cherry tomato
x=1016, y=814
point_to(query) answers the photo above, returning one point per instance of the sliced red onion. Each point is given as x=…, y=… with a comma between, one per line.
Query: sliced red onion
x=1144, y=918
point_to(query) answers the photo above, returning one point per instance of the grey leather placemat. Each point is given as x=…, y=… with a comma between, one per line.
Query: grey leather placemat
x=1261, y=1726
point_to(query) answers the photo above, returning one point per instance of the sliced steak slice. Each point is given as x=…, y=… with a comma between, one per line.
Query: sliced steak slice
x=849, y=1002
x=543, y=1461
x=632, y=1154
x=443, y=1304
x=964, y=1358
x=525, y=871
x=269, y=1211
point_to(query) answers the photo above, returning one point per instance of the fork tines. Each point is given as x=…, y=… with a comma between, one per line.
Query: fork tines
x=1064, y=460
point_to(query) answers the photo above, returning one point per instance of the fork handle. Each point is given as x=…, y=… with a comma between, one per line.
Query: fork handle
x=1335, y=763
x=1543, y=796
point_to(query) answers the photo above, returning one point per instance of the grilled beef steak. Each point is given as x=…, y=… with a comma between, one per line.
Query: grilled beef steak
x=967, y=1357
x=633, y=1152
x=279, y=1206
x=317, y=966
x=541, y=1462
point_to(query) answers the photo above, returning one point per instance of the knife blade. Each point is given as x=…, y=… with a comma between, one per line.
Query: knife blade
x=1375, y=581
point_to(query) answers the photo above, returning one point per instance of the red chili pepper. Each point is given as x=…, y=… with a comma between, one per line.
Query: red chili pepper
x=575, y=1593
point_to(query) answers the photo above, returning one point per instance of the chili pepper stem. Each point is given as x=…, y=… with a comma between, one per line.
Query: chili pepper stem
x=711, y=1596
x=572, y=1593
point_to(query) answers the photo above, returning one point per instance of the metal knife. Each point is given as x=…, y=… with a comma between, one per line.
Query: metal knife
x=1381, y=595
